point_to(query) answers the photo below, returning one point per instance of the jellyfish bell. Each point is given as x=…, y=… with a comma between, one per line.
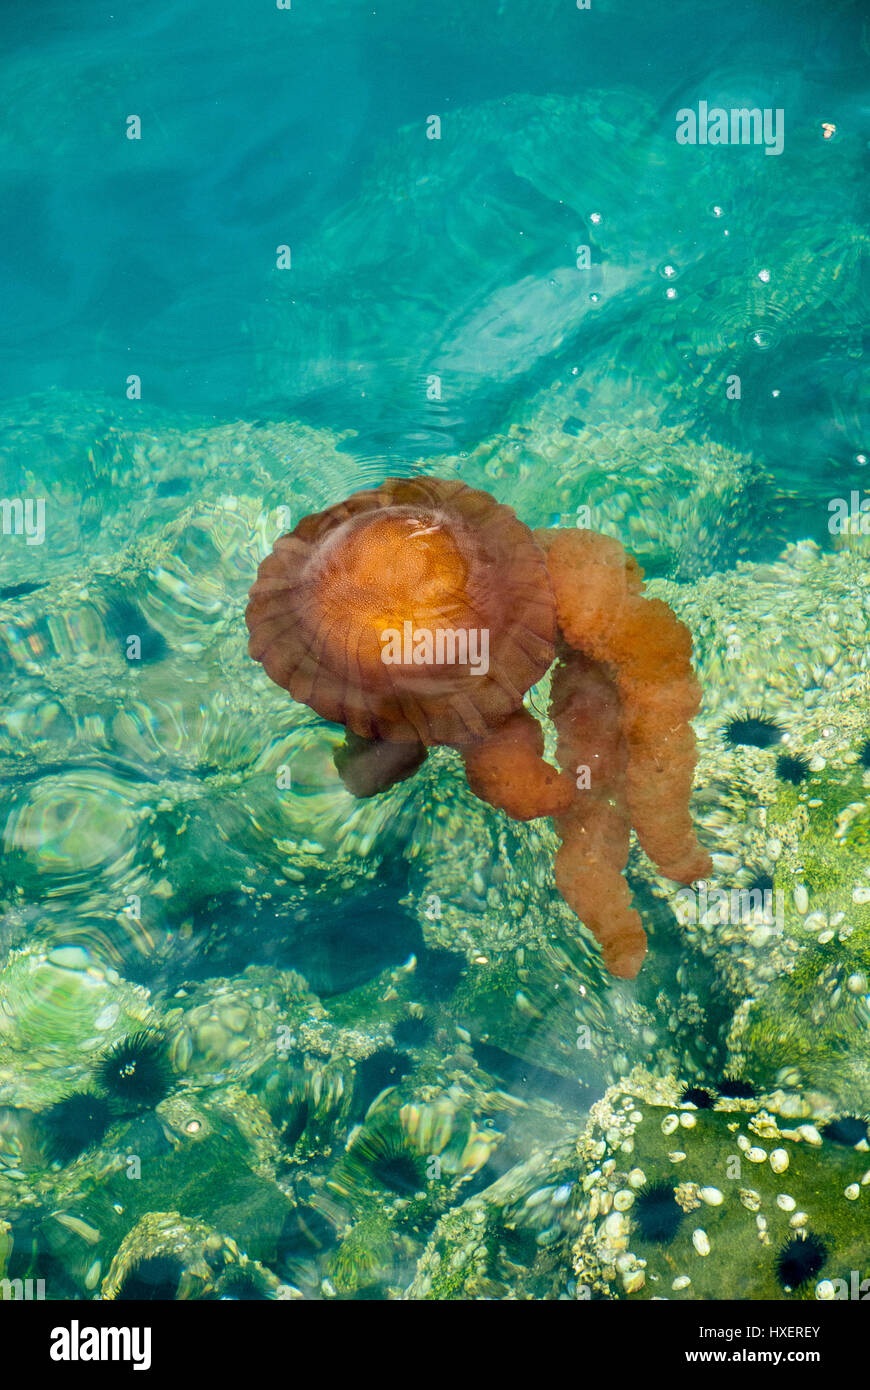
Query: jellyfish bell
x=417, y=612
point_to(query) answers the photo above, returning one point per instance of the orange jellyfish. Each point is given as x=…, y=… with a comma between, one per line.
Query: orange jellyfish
x=421, y=612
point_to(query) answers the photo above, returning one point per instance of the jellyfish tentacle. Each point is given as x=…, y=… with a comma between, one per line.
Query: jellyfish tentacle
x=368, y=766
x=601, y=612
x=595, y=831
x=507, y=769
x=589, y=874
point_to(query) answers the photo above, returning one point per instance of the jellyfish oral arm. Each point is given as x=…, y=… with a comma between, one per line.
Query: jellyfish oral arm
x=508, y=770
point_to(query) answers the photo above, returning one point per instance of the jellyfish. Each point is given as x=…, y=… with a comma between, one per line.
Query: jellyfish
x=421, y=612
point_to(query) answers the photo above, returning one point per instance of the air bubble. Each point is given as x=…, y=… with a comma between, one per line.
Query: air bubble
x=762, y=338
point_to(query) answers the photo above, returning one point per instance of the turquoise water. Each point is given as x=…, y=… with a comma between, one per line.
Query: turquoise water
x=350, y=242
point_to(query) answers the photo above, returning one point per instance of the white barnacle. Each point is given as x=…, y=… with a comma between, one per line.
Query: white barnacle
x=701, y=1241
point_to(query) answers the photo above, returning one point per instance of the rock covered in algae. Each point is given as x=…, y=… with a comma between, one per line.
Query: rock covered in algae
x=689, y=1203
x=170, y=1256
x=213, y=1152
x=403, y=1167
x=241, y=1024
x=60, y=1009
x=508, y=1241
x=808, y=1028
x=298, y=1134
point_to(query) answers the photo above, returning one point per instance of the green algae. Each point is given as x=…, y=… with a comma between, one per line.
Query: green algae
x=365, y=1256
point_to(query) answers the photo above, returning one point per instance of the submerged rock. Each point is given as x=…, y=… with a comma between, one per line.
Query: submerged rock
x=745, y=1185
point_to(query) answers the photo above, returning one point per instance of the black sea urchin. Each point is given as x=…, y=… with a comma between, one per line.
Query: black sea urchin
x=136, y=1070
x=753, y=729
x=401, y=1171
x=697, y=1096
x=656, y=1213
x=760, y=879
x=792, y=767
x=382, y=1157
x=157, y=1277
x=799, y=1260
x=864, y=753
x=735, y=1088
x=295, y=1127
x=240, y=1286
x=848, y=1129
x=74, y=1124
x=411, y=1032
